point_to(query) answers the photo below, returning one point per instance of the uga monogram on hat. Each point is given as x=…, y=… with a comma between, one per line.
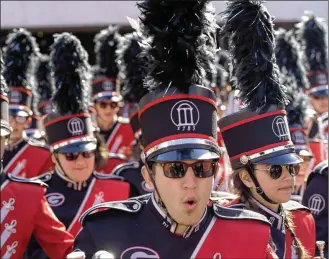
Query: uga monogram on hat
x=185, y=115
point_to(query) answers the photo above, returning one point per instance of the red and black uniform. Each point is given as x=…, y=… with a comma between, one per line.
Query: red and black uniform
x=125, y=229
x=25, y=211
x=69, y=201
x=27, y=158
x=282, y=236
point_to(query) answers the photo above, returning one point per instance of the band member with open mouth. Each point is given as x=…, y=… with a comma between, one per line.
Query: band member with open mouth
x=178, y=120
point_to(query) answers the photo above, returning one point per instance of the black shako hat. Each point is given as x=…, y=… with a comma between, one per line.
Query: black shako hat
x=131, y=75
x=313, y=33
x=105, y=85
x=259, y=132
x=179, y=116
x=69, y=127
x=5, y=129
x=19, y=55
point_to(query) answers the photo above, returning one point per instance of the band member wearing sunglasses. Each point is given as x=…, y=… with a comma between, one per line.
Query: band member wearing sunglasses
x=257, y=137
x=24, y=209
x=106, y=94
x=73, y=187
x=315, y=54
x=180, y=152
x=293, y=76
x=19, y=158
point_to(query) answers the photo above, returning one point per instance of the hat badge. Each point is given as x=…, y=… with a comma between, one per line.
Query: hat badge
x=108, y=85
x=244, y=159
x=15, y=96
x=280, y=128
x=75, y=126
x=185, y=115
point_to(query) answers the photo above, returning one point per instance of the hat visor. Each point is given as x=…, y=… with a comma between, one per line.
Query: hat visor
x=111, y=98
x=186, y=154
x=78, y=147
x=283, y=159
x=18, y=112
x=319, y=93
x=304, y=153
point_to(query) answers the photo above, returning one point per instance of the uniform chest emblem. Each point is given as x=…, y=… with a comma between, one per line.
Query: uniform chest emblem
x=55, y=199
x=139, y=252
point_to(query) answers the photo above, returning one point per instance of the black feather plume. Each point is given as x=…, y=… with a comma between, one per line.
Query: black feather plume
x=131, y=71
x=289, y=57
x=313, y=35
x=298, y=101
x=221, y=77
x=106, y=44
x=43, y=78
x=252, y=42
x=71, y=74
x=20, y=51
x=223, y=58
x=184, y=41
x=4, y=89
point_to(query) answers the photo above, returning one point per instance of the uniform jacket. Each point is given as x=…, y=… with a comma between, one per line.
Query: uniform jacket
x=28, y=158
x=138, y=228
x=25, y=211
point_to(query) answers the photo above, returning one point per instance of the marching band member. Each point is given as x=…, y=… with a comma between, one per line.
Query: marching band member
x=257, y=137
x=73, y=187
x=21, y=153
x=24, y=209
x=313, y=34
x=180, y=153
x=106, y=94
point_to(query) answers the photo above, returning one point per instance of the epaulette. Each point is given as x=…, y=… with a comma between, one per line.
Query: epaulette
x=102, y=176
x=117, y=156
x=321, y=168
x=142, y=198
x=238, y=214
x=43, y=177
x=129, y=165
x=131, y=206
x=26, y=180
x=294, y=205
x=123, y=120
x=37, y=143
x=218, y=196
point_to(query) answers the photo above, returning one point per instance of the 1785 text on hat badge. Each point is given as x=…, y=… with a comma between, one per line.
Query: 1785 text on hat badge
x=185, y=115
x=75, y=126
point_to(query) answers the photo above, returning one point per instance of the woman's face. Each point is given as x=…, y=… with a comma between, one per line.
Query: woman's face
x=278, y=190
x=78, y=170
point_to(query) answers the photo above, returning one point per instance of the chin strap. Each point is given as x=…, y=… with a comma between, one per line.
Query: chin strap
x=159, y=201
x=259, y=189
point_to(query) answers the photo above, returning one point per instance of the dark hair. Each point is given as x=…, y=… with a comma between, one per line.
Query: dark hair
x=239, y=188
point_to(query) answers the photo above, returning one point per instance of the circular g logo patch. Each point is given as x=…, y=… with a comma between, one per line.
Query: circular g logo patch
x=139, y=252
x=55, y=199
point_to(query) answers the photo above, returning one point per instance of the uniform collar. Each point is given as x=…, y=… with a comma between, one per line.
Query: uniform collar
x=276, y=219
x=171, y=225
x=17, y=144
x=71, y=184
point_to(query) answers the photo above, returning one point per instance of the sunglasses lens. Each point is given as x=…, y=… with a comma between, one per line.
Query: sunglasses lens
x=114, y=105
x=205, y=169
x=88, y=154
x=174, y=170
x=293, y=169
x=71, y=156
x=103, y=105
x=275, y=171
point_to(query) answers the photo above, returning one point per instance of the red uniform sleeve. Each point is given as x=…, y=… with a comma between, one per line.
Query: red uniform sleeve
x=51, y=233
x=47, y=166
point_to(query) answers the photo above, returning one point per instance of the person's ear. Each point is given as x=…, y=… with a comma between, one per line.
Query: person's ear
x=245, y=178
x=147, y=177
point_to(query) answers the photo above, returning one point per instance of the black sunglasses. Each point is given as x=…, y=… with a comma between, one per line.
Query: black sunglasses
x=74, y=156
x=104, y=105
x=178, y=169
x=275, y=171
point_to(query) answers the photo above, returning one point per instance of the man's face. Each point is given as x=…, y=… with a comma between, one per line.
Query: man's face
x=319, y=103
x=185, y=198
x=18, y=124
x=106, y=110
